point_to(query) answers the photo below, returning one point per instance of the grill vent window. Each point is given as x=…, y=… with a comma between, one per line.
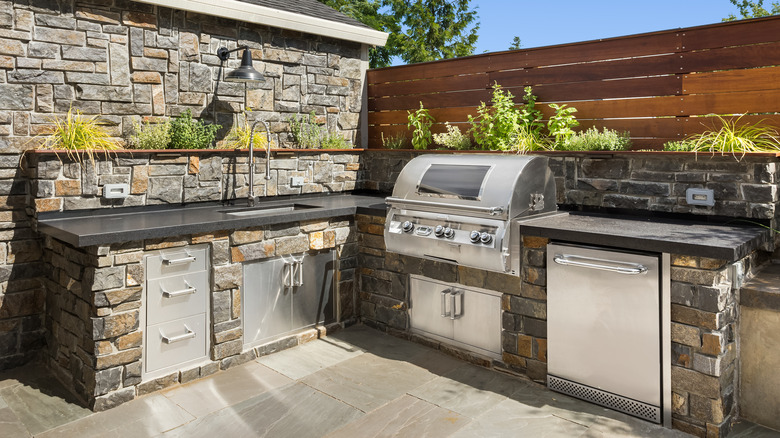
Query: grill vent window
x=456, y=181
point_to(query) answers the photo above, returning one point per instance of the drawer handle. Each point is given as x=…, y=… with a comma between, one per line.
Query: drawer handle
x=180, y=261
x=187, y=291
x=626, y=268
x=173, y=339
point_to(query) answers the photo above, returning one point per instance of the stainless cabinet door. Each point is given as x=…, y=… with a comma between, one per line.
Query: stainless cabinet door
x=426, y=307
x=604, y=325
x=313, y=300
x=478, y=320
x=267, y=304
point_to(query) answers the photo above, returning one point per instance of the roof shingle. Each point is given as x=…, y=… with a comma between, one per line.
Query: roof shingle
x=310, y=8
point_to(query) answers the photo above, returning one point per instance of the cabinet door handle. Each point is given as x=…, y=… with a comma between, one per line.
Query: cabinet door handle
x=180, y=261
x=287, y=275
x=173, y=339
x=444, y=312
x=455, y=296
x=299, y=272
x=186, y=291
x=587, y=262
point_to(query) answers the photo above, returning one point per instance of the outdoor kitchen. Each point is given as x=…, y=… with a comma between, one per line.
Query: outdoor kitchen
x=621, y=289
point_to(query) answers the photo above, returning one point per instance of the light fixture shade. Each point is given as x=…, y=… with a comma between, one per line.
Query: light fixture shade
x=245, y=73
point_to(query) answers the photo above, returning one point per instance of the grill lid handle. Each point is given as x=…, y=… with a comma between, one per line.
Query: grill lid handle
x=493, y=211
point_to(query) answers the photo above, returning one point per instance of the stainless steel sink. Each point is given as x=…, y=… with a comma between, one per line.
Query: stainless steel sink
x=265, y=210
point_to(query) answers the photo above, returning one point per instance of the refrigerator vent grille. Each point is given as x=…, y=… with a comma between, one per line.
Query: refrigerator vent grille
x=606, y=399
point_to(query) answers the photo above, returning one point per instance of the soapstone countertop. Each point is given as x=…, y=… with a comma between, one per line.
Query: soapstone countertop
x=115, y=225
x=662, y=235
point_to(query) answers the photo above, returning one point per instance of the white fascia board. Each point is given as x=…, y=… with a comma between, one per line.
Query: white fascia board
x=250, y=13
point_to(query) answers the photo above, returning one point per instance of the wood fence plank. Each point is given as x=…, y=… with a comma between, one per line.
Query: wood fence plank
x=732, y=81
x=608, y=89
x=426, y=86
x=429, y=101
x=735, y=33
x=732, y=103
x=759, y=55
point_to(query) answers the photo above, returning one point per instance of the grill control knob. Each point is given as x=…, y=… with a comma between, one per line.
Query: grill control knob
x=449, y=233
x=474, y=236
x=485, y=238
x=407, y=227
x=438, y=231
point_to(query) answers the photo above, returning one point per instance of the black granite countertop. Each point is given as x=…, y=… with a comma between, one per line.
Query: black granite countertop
x=674, y=236
x=107, y=226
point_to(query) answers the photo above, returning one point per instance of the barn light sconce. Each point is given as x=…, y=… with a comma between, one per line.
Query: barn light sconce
x=244, y=73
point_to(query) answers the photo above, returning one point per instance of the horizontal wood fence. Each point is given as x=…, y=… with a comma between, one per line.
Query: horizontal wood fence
x=658, y=86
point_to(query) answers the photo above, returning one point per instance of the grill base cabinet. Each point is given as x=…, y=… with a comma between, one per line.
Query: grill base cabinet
x=608, y=329
x=176, y=302
x=466, y=317
x=285, y=294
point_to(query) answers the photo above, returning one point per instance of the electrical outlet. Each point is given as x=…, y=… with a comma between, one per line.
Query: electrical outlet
x=704, y=197
x=296, y=181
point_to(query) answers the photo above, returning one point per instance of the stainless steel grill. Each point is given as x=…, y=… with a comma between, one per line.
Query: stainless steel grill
x=462, y=209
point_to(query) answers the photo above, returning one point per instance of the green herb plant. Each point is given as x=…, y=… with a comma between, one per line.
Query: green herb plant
x=148, y=135
x=305, y=131
x=496, y=126
x=187, y=133
x=594, y=140
x=80, y=137
x=560, y=124
x=239, y=135
x=733, y=138
x=420, y=123
x=334, y=140
x=453, y=138
x=397, y=141
x=531, y=117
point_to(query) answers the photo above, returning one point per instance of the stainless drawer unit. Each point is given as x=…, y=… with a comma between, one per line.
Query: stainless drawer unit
x=466, y=317
x=607, y=326
x=176, y=302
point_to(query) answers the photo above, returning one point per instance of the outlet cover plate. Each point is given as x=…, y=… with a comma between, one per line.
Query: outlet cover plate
x=704, y=197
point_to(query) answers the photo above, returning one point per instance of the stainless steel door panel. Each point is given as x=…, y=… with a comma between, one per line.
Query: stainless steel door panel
x=604, y=323
x=428, y=304
x=478, y=320
x=267, y=303
x=312, y=300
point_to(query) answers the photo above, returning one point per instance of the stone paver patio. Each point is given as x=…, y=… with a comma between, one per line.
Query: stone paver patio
x=355, y=383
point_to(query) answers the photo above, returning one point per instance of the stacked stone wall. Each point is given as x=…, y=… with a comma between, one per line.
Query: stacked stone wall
x=127, y=61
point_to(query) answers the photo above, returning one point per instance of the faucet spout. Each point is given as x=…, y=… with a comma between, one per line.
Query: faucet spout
x=251, y=195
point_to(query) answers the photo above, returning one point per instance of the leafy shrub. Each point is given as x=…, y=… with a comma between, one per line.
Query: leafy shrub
x=593, y=140
x=453, y=138
x=238, y=137
x=678, y=146
x=79, y=133
x=560, y=124
x=397, y=141
x=149, y=135
x=731, y=138
x=187, y=133
x=531, y=117
x=305, y=131
x=496, y=126
x=309, y=135
x=420, y=123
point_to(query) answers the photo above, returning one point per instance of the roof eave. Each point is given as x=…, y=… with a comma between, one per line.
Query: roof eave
x=250, y=13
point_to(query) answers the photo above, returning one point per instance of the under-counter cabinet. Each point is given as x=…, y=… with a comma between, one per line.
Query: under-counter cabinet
x=466, y=317
x=285, y=294
x=176, y=304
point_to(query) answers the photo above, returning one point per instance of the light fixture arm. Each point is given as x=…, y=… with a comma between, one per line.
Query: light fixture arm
x=223, y=53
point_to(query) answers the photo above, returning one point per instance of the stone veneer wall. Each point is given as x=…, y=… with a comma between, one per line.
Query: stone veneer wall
x=703, y=319
x=94, y=300
x=125, y=61
x=184, y=177
x=639, y=181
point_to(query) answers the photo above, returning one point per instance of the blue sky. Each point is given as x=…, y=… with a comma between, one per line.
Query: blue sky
x=544, y=23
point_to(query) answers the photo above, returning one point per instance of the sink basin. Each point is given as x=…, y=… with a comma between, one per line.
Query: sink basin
x=265, y=210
